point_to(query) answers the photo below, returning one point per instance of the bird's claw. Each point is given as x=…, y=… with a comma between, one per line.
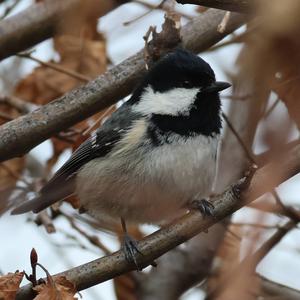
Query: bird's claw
x=205, y=207
x=131, y=249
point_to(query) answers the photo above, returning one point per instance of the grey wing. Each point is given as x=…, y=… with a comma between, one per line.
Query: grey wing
x=100, y=144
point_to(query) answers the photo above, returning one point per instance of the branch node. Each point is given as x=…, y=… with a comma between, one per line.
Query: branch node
x=243, y=184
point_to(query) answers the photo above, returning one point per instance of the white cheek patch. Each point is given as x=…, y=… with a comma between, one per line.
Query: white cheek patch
x=173, y=102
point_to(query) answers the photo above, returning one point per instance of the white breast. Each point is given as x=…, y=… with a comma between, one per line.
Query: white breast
x=189, y=165
x=152, y=186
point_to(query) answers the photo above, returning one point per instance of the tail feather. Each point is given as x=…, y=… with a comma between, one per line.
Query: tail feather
x=36, y=205
x=54, y=194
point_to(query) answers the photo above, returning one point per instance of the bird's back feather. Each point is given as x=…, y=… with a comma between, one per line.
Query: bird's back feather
x=100, y=144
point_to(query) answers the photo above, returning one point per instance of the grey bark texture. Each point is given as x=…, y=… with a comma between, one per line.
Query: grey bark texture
x=38, y=23
x=21, y=135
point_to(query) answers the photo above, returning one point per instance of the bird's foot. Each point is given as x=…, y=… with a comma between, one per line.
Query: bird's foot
x=204, y=206
x=131, y=250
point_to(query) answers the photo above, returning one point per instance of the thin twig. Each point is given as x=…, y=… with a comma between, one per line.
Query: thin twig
x=245, y=6
x=147, y=55
x=9, y=9
x=241, y=142
x=277, y=290
x=13, y=174
x=270, y=110
x=222, y=26
x=64, y=139
x=44, y=218
x=289, y=212
x=49, y=277
x=106, y=113
x=238, y=98
x=250, y=262
x=5, y=116
x=94, y=240
x=236, y=39
x=262, y=226
x=56, y=67
x=149, y=6
x=20, y=105
x=237, y=237
x=74, y=238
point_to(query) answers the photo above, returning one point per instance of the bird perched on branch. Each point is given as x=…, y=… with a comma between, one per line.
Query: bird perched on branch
x=155, y=157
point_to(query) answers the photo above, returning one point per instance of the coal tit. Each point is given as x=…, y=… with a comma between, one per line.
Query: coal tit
x=155, y=157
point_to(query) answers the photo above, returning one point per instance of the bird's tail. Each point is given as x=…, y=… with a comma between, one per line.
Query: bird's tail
x=45, y=199
x=37, y=204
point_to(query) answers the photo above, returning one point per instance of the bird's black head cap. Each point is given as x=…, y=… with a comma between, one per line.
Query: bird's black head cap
x=180, y=68
x=183, y=69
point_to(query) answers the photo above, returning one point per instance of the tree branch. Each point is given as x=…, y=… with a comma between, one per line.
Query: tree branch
x=240, y=274
x=56, y=67
x=20, y=135
x=193, y=263
x=165, y=239
x=20, y=105
x=280, y=291
x=39, y=22
x=242, y=6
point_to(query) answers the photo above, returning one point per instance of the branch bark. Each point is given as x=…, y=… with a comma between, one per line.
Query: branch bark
x=242, y=6
x=277, y=290
x=193, y=263
x=38, y=23
x=167, y=238
x=19, y=136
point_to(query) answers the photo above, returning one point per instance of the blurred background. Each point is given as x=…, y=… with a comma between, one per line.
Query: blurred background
x=86, y=47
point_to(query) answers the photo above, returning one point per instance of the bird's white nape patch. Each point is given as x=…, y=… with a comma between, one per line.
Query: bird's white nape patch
x=173, y=102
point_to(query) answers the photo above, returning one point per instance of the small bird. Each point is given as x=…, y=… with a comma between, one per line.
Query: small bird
x=155, y=157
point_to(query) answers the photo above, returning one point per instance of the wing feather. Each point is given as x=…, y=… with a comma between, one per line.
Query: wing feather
x=100, y=144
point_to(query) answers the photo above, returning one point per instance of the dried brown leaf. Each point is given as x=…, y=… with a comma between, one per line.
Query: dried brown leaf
x=60, y=288
x=9, y=285
x=8, y=111
x=125, y=287
x=82, y=50
x=10, y=172
x=288, y=90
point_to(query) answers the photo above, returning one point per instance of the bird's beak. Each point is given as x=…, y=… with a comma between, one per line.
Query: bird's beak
x=216, y=86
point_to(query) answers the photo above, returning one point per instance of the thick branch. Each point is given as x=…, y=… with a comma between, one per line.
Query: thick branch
x=277, y=290
x=19, y=136
x=193, y=263
x=242, y=6
x=38, y=23
x=160, y=242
